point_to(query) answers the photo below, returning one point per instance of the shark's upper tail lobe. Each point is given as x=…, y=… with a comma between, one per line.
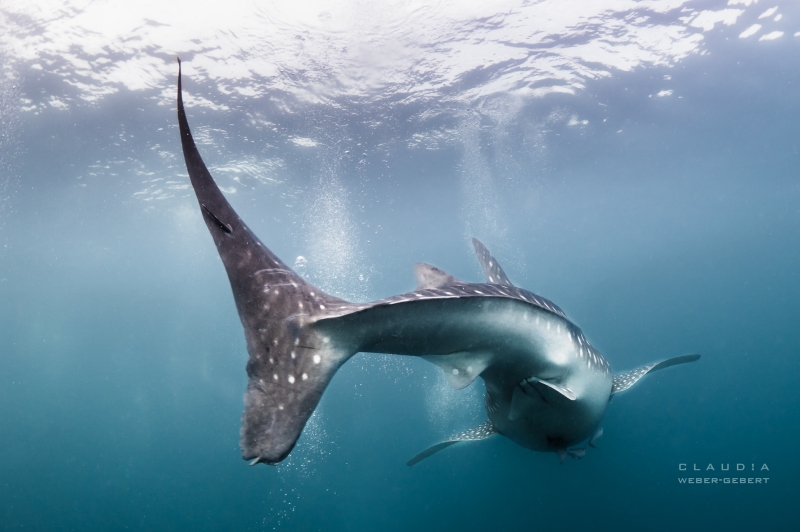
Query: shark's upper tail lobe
x=290, y=363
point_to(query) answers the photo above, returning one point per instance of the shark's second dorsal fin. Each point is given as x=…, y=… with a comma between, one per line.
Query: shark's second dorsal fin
x=432, y=277
x=491, y=268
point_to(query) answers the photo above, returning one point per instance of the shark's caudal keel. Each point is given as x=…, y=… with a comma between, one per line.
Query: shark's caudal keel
x=547, y=388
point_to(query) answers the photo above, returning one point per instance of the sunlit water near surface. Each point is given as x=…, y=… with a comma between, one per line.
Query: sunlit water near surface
x=638, y=163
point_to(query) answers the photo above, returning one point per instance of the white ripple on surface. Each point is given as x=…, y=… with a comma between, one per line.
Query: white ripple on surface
x=771, y=36
x=320, y=51
x=752, y=30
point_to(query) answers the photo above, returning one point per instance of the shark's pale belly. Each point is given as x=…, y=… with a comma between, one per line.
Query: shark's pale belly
x=504, y=341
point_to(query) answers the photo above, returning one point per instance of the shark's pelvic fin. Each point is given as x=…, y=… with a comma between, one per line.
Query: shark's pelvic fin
x=562, y=454
x=623, y=381
x=491, y=268
x=481, y=432
x=578, y=453
x=597, y=436
x=432, y=277
x=462, y=368
x=290, y=363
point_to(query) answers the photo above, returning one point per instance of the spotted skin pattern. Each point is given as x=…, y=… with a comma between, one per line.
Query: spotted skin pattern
x=594, y=359
x=481, y=432
x=623, y=381
x=522, y=345
x=493, y=271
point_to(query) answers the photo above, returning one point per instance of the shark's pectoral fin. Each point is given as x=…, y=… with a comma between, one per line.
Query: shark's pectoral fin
x=481, y=432
x=433, y=449
x=578, y=453
x=597, y=435
x=623, y=381
x=461, y=368
x=491, y=268
x=428, y=276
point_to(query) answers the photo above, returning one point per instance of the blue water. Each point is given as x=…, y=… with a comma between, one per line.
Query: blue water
x=635, y=166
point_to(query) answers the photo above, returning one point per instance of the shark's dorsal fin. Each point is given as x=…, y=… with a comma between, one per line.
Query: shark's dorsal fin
x=623, y=381
x=429, y=276
x=481, y=432
x=491, y=268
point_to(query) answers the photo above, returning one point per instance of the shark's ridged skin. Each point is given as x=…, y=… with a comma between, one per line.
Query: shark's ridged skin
x=547, y=388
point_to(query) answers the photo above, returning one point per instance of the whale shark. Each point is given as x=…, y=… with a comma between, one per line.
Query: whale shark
x=547, y=388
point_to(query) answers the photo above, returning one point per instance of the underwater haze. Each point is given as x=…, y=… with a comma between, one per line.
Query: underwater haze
x=635, y=162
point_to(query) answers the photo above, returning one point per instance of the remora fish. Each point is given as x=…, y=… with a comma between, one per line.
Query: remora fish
x=547, y=388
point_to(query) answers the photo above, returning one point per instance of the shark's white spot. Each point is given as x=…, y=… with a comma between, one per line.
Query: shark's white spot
x=274, y=376
x=291, y=379
x=479, y=292
x=455, y=371
x=317, y=359
x=296, y=341
x=322, y=307
x=293, y=355
x=325, y=340
x=305, y=376
x=280, y=407
x=311, y=293
x=271, y=361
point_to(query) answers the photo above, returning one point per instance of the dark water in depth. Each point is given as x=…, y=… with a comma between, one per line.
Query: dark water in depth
x=662, y=224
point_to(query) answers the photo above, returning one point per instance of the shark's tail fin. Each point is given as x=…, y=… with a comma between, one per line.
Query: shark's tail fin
x=290, y=363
